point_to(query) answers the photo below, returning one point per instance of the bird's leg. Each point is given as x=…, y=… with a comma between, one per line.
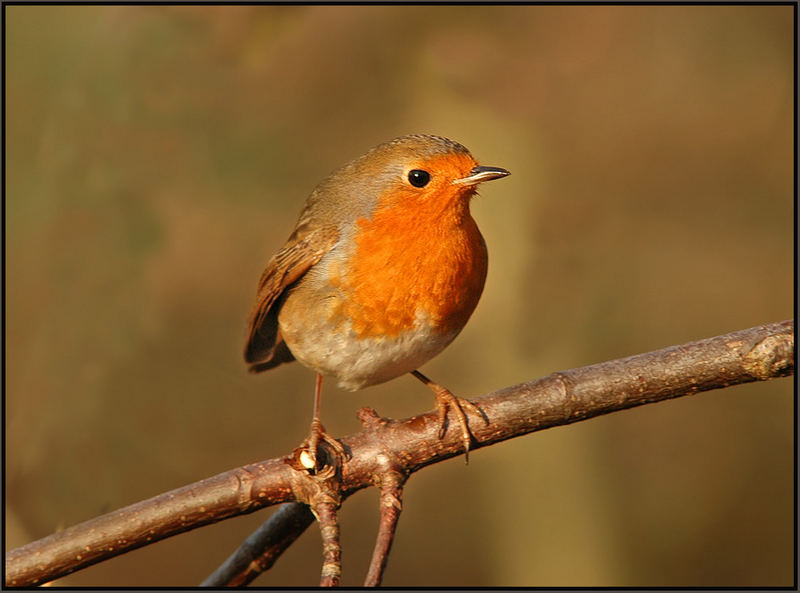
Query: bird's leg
x=445, y=401
x=318, y=432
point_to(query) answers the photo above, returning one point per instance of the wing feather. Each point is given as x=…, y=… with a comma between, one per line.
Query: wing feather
x=265, y=347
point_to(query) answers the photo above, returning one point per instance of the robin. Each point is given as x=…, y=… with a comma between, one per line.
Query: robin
x=382, y=271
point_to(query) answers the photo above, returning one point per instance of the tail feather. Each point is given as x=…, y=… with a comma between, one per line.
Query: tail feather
x=280, y=354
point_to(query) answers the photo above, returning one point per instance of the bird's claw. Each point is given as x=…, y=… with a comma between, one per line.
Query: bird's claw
x=445, y=401
x=309, y=450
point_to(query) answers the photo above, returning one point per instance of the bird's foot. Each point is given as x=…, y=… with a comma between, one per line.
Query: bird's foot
x=309, y=451
x=446, y=401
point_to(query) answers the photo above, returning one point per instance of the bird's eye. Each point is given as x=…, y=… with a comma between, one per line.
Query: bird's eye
x=418, y=177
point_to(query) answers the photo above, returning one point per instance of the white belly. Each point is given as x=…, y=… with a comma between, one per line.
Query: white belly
x=357, y=362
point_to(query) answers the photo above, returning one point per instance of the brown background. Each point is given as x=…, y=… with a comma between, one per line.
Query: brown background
x=157, y=156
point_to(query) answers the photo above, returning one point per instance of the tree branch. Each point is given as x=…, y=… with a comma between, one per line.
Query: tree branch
x=391, y=480
x=758, y=353
x=264, y=546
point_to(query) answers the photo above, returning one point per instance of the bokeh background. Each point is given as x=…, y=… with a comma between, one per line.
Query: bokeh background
x=157, y=157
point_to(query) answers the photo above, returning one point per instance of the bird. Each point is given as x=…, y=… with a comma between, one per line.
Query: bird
x=383, y=269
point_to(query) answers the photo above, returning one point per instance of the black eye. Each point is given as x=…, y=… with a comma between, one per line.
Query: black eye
x=418, y=177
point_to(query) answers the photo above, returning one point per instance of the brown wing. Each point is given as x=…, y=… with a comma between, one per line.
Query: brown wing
x=265, y=347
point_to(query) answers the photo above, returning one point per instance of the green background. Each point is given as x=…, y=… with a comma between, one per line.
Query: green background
x=157, y=157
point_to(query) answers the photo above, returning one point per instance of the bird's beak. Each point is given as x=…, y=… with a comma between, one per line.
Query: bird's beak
x=480, y=174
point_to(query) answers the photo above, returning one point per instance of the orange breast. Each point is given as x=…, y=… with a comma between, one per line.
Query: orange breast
x=414, y=257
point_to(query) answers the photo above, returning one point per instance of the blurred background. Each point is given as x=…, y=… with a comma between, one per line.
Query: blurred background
x=158, y=156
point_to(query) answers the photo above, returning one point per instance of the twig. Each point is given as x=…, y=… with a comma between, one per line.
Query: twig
x=321, y=490
x=389, y=478
x=263, y=547
x=236, y=492
x=328, y=519
x=758, y=353
x=391, y=505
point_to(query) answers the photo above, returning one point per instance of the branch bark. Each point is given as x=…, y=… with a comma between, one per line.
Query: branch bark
x=759, y=353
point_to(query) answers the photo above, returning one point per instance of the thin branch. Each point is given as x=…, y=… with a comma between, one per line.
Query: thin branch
x=390, y=479
x=759, y=353
x=260, y=551
x=322, y=491
x=236, y=492
x=391, y=505
x=328, y=520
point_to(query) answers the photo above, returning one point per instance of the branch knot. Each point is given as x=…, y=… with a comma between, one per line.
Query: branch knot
x=771, y=357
